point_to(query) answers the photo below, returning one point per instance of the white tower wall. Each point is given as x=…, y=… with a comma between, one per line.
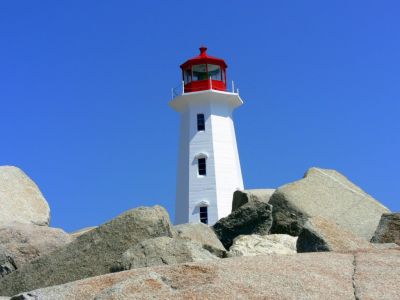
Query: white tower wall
x=217, y=143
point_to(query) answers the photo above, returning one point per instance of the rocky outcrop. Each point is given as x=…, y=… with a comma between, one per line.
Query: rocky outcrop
x=240, y=198
x=162, y=251
x=251, y=245
x=202, y=234
x=20, y=198
x=164, y=262
x=328, y=194
x=26, y=242
x=388, y=230
x=319, y=234
x=251, y=218
x=91, y=254
x=300, y=276
x=7, y=264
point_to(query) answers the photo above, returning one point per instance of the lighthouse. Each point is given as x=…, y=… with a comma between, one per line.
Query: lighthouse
x=208, y=164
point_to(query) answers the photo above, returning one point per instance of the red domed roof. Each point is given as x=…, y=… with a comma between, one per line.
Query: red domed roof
x=204, y=58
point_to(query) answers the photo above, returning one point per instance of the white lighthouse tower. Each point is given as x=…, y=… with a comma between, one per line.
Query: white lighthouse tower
x=208, y=165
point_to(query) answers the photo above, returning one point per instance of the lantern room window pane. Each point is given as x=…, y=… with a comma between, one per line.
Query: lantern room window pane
x=187, y=76
x=214, y=71
x=199, y=72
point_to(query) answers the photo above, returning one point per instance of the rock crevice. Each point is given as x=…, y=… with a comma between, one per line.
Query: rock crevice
x=353, y=280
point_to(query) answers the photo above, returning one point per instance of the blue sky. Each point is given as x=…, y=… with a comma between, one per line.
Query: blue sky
x=84, y=87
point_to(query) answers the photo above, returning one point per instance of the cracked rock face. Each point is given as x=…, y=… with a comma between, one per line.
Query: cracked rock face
x=328, y=194
x=20, y=198
x=388, y=230
x=162, y=251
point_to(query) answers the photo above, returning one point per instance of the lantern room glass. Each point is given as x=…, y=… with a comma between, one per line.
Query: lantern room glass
x=204, y=72
x=188, y=75
x=199, y=72
x=214, y=71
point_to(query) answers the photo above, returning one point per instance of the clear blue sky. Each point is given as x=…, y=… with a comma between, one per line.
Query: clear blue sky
x=84, y=87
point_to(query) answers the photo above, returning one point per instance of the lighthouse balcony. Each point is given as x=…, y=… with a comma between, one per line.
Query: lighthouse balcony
x=203, y=85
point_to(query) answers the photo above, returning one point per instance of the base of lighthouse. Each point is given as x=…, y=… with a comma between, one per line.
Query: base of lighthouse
x=211, y=150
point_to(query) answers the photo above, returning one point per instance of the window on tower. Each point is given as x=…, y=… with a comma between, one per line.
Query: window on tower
x=200, y=122
x=201, y=163
x=199, y=72
x=204, y=214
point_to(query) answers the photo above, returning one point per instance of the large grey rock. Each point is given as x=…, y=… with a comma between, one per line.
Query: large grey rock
x=388, y=230
x=202, y=234
x=254, y=244
x=319, y=234
x=300, y=276
x=328, y=194
x=21, y=199
x=26, y=242
x=162, y=251
x=7, y=264
x=91, y=254
x=253, y=217
x=242, y=197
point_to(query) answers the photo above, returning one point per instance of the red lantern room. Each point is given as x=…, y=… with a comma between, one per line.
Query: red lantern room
x=204, y=72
